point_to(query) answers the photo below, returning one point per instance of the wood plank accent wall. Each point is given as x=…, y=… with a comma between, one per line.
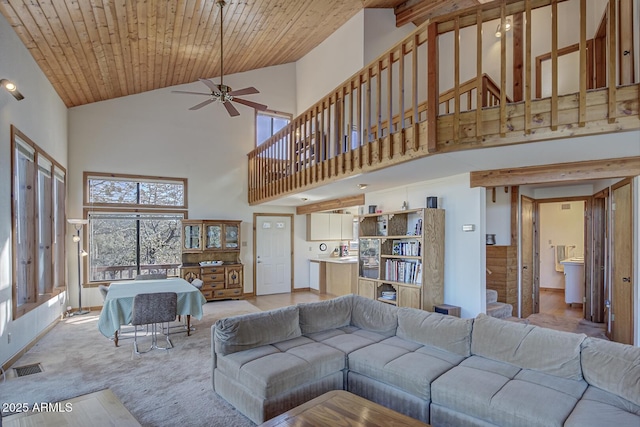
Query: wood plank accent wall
x=502, y=273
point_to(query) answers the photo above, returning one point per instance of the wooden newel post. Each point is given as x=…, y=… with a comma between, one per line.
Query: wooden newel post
x=432, y=88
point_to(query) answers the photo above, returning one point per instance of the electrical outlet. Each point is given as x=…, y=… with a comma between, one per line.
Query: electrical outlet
x=9, y=338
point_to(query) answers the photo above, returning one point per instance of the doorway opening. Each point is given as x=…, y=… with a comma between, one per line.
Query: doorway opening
x=561, y=268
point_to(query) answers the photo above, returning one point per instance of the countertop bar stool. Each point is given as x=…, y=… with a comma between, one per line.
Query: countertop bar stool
x=150, y=309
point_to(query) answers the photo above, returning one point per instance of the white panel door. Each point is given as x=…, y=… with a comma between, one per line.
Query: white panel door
x=273, y=255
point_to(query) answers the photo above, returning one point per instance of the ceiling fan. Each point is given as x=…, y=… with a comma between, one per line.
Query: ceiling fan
x=221, y=92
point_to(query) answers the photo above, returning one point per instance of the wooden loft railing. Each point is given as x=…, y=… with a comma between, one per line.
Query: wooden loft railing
x=348, y=132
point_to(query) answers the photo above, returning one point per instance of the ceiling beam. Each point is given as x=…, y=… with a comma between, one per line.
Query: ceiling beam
x=328, y=205
x=419, y=11
x=559, y=172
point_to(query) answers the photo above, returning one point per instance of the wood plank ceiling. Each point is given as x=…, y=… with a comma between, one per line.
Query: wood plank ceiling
x=94, y=50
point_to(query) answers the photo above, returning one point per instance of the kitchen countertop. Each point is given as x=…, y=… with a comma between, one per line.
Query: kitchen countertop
x=338, y=260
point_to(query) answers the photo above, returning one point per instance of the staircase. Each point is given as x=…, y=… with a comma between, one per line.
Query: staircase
x=495, y=308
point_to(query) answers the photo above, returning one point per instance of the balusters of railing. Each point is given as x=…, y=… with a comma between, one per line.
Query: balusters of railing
x=456, y=79
x=390, y=103
x=527, y=69
x=359, y=121
x=367, y=113
x=401, y=125
x=582, y=103
x=554, y=65
x=479, y=77
x=503, y=71
x=612, y=61
x=414, y=91
x=433, y=93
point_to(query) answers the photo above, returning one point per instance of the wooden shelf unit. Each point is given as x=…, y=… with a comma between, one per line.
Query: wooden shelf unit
x=213, y=240
x=402, y=251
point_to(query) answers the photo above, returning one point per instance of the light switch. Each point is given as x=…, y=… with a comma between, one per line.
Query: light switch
x=468, y=227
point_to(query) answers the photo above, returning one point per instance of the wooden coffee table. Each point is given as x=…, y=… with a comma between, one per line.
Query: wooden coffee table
x=340, y=407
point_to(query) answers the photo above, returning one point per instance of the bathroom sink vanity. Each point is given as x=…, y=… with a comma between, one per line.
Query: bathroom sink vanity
x=573, y=280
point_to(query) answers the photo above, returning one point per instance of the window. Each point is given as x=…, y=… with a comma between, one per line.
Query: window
x=268, y=123
x=38, y=215
x=134, y=225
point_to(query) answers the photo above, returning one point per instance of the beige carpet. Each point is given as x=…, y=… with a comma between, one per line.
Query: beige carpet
x=158, y=388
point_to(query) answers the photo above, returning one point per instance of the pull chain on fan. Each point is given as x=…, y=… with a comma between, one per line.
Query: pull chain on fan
x=223, y=93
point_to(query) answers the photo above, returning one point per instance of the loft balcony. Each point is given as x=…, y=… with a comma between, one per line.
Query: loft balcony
x=546, y=80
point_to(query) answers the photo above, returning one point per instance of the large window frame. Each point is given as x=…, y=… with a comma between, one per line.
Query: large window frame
x=38, y=217
x=273, y=115
x=136, y=211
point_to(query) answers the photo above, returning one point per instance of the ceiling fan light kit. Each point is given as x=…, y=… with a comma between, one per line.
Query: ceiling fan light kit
x=222, y=93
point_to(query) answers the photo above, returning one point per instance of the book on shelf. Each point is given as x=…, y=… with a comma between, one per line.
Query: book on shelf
x=403, y=271
x=409, y=248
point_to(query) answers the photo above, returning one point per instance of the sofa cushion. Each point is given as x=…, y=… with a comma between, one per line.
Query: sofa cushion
x=243, y=332
x=347, y=339
x=435, y=329
x=406, y=365
x=598, y=407
x=323, y=315
x=613, y=367
x=268, y=372
x=374, y=316
x=530, y=347
x=503, y=394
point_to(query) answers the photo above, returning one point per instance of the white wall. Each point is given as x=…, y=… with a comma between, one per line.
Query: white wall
x=154, y=133
x=43, y=118
x=499, y=215
x=363, y=38
x=331, y=63
x=465, y=255
x=381, y=33
x=559, y=226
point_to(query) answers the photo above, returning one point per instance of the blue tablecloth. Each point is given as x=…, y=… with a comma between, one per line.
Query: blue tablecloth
x=116, y=310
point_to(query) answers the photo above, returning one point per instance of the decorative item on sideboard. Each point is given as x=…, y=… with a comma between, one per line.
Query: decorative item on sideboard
x=432, y=202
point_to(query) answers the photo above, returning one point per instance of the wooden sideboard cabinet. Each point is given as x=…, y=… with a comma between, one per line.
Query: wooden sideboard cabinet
x=213, y=240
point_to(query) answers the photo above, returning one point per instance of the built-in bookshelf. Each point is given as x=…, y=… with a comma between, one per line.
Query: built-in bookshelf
x=401, y=257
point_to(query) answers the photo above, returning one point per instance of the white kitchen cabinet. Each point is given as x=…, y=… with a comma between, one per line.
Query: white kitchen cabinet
x=329, y=226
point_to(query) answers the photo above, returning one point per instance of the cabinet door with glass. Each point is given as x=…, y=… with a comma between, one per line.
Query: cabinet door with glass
x=191, y=236
x=232, y=236
x=369, y=259
x=213, y=236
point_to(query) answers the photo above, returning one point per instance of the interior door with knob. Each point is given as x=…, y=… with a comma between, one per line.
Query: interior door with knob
x=527, y=295
x=274, y=253
x=621, y=263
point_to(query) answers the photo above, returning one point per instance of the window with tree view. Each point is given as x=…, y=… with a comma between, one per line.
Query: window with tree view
x=134, y=226
x=38, y=215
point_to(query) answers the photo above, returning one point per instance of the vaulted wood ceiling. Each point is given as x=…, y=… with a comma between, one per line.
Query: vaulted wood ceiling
x=93, y=50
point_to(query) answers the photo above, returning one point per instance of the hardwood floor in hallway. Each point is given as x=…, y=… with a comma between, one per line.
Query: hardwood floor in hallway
x=552, y=302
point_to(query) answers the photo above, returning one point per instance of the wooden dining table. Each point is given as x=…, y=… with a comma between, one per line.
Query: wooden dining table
x=118, y=304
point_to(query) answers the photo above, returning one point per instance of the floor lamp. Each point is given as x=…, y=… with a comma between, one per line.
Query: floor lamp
x=78, y=224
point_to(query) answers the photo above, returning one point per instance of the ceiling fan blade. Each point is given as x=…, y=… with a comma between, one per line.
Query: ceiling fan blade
x=251, y=104
x=245, y=91
x=211, y=85
x=202, y=104
x=191, y=93
x=233, y=112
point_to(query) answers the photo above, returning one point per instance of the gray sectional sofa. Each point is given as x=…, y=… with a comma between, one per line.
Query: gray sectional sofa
x=439, y=369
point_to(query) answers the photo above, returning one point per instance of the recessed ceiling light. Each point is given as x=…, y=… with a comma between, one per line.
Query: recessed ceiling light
x=304, y=199
x=362, y=186
x=11, y=88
